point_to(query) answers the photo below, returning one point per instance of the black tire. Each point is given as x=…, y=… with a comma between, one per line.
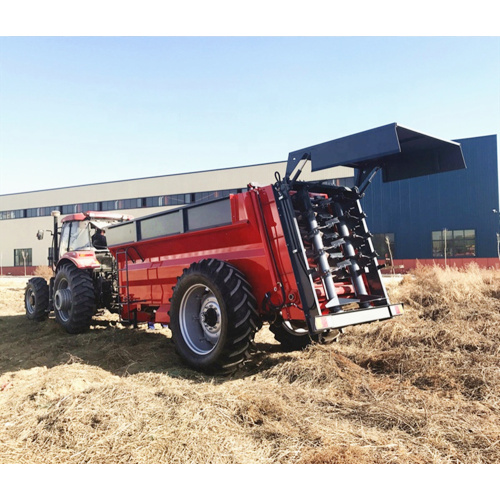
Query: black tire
x=292, y=335
x=213, y=317
x=73, y=298
x=36, y=299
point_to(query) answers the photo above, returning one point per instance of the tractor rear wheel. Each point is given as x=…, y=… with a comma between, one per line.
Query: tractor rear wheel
x=292, y=335
x=73, y=298
x=36, y=299
x=213, y=317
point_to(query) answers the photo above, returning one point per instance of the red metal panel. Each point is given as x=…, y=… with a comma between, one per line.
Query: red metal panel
x=242, y=243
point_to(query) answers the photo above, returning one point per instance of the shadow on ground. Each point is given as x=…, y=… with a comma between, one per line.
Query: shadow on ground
x=111, y=346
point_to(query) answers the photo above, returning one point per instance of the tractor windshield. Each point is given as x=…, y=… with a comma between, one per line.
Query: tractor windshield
x=75, y=236
x=79, y=237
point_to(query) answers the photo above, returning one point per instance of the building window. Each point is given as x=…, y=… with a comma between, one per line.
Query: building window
x=176, y=199
x=49, y=210
x=67, y=209
x=346, y=182
x=12, y=214
x=342, y=181
x=91, y=207
x=22, y=257
x=126, y=204
x=456, y=243
x=213, y=195
x=383, y=243
x=205, y=196
x=108, y=205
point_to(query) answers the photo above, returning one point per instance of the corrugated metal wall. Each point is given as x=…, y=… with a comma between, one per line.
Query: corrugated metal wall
x=413, y=208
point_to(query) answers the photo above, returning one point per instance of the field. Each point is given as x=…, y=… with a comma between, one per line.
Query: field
x=420, y=389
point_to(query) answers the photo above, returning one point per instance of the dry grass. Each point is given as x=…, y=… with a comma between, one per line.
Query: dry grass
x=424, y=388
x=44, y=272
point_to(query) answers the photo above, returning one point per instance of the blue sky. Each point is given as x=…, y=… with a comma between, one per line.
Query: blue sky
x=79, y=110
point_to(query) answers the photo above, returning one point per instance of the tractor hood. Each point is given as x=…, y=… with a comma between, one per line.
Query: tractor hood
x=400, y=153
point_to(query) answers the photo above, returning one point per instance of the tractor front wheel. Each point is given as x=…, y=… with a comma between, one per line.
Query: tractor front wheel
x=73, y=298
x=213, y=317
x=36, y=299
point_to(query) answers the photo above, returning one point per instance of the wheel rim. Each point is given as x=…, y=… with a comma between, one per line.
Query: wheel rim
x=200, y=319
x=30, y=301
x=62, y=300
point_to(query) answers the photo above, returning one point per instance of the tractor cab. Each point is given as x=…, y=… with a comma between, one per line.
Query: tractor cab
x=80, y=241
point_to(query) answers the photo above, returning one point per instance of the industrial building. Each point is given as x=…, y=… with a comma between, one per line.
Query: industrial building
x=456, y=212
x=450, y=217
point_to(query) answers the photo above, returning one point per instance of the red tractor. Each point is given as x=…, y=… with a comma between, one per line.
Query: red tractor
x=297, y=255
x=84, y=273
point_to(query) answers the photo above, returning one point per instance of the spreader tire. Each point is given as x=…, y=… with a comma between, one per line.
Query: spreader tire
x=36, y=299
x=213, y=317
x=293, y=336
x=73, y=298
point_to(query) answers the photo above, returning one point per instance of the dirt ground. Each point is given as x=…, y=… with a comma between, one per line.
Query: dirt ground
x=420, y=389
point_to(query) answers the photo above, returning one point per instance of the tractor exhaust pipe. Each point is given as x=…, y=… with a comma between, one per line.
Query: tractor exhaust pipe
x=55, y=237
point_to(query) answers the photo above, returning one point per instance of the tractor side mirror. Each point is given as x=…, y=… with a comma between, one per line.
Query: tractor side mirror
x=39, y=234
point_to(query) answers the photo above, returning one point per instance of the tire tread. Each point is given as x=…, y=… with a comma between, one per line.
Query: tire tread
x=241, y=310
x=83, y=299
